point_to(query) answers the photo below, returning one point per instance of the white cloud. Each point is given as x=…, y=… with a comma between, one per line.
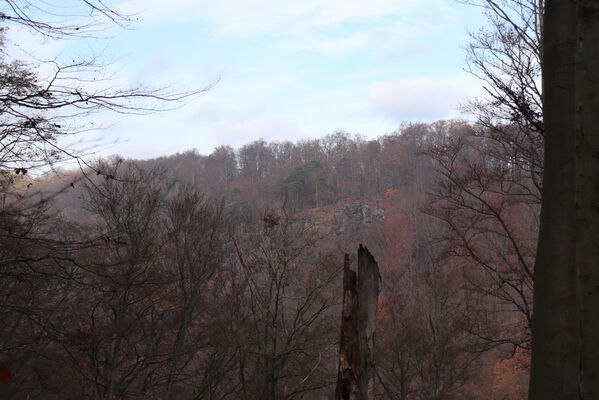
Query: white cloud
x=206, y=112
x=240, y=132
x=424, y=98
x=384, y=37
x=248, y=17
x=279, y=80
x=23, y=44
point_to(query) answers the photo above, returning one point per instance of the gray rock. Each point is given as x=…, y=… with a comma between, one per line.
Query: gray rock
x=356, y=218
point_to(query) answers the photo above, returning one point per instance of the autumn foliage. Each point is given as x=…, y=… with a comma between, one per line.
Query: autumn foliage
x=219, y=276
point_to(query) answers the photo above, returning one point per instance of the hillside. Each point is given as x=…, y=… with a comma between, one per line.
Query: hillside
x=249, y=243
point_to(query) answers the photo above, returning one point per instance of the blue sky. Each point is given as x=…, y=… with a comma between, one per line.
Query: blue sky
x=286, y=70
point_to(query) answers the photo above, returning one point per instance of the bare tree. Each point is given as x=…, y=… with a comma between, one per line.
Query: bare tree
x=288, y=350
x=118, y=315
x=507, y=57
x=37, y=110
x=196, y=228
x=150, y=319
x=35, y=113
x=425, y=349
x=491, y=220
x=489, y=192
x=56, y=19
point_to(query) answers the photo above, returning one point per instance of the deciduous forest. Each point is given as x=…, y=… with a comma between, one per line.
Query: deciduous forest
x=224, y=275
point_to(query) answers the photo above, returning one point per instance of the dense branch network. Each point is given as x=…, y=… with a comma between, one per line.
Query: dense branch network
x=37, y=110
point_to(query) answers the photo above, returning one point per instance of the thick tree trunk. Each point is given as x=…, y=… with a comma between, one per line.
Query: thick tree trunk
x=587, y=193
x=555, y=352
x=349, y=359
x=356, y=373
x=368, y=295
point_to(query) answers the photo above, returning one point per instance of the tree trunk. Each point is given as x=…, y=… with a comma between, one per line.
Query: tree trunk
x=587, y=193
x=555, y=352
x=355, y=380
x=349, y=360
x=368, y=295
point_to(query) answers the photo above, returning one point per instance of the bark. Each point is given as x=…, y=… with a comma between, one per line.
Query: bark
x=349, y=360
x=587, y=193
x=555, y=353
x=368, y=295
x=355, y=379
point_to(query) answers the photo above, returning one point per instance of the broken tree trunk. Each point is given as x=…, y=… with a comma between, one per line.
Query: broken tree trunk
x=349, y=360
x=368, y=296
x=356, y=356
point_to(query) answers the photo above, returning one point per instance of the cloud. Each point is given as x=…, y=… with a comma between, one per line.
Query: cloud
x=250, y=17
x=284, y=68
x=382, y=38
x=24, y=44
x=240, y=132
x=421, y=99
x=207, y=112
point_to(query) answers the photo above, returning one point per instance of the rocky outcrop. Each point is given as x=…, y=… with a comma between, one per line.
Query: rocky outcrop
x=356, y=218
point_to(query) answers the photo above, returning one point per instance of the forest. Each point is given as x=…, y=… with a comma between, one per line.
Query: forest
x=222, y=275
x=219, y=276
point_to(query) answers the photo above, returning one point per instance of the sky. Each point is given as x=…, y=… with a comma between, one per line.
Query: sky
x=280, y=70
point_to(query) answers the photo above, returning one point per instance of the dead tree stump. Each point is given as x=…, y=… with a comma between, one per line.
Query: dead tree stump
x=355, y=379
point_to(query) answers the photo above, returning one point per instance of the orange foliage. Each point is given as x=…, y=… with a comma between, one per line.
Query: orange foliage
x=384, y=309
x=392, y=159
x=510, y=377
x=391, y=194
x=399, y=234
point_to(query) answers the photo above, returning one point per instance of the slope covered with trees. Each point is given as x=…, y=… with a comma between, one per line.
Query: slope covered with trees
x=190, y=271
x=219, y=276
